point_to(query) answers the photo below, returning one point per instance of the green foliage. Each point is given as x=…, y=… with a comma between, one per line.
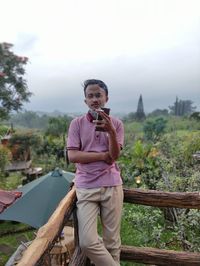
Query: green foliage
x=130, y=117
x=167, y=165
x=178, y=183
x=189, y=223
x=58, y=126
x=25, y=139
x=159, y=112
x=177, y=150
x=3, y=130
x=29, y=119
x=13, y=86
x=154, y=129
x=164, y=165
x=12, y=241
x=191, y=145
x=50, y=154
x=132, y=129
x=4, y=158
x=21, y=143
x=146, y=226
x=12, y=181
x=50, y=146
x=181, y=125
x=142, y=159
x=196, y=116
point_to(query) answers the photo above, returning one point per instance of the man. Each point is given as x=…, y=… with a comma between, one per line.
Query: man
x=98, y=182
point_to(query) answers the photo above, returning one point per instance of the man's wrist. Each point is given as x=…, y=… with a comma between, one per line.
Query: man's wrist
x=112, y=133
x=104, y=156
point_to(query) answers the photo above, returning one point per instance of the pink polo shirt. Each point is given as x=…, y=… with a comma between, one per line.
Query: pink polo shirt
x=82, y=136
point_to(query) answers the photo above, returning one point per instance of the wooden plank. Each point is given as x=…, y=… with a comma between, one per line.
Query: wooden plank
x=159, y=256
x=78, y=258
x=48, y=232
x=32, y=253
x=156, y=198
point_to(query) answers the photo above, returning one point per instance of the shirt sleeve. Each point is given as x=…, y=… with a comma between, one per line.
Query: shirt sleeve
x=73, y=137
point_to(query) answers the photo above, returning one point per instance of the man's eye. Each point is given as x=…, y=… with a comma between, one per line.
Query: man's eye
x=97, y=95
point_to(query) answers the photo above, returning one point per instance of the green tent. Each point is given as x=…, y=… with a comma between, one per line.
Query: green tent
x=39, y=199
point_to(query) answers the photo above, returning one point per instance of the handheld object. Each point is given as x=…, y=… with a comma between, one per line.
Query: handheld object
x=107, y=111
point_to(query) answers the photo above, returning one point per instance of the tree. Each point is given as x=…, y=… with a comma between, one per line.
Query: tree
x=21, y=142
x=140, y=115
x=13, y=87
x=58, y=126
x=182, y=107
x=196, y=116
x=4, y=158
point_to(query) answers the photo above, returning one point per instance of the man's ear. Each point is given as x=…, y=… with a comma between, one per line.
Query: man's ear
x=107, y=98
x=85, y=101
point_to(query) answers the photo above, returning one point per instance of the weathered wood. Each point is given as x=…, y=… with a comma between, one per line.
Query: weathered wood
x=156, y=198
x=48, y=233
x=46, y=236
x=78, y=258
x=159, y=257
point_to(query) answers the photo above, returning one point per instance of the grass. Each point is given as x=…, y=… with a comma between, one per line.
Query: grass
x=9, y=243
x=12, y=181
x=182, y=123
x=129, y=237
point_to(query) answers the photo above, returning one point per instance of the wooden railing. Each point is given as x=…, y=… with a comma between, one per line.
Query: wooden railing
x=38, y=251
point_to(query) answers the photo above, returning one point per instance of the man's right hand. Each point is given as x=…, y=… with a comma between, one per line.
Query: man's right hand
x=107, y=158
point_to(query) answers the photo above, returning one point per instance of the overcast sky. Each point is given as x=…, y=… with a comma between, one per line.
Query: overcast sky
x=148, y=47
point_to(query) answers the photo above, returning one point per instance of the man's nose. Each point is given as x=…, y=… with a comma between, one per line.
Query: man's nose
x=95, y=98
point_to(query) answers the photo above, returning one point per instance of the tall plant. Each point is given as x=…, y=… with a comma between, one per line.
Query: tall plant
x=13, y=86
x=4, y=158
x=154, y=129
x=141, y=161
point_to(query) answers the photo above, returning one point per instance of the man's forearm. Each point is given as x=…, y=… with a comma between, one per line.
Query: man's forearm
x=114, y=147
x=76, y=156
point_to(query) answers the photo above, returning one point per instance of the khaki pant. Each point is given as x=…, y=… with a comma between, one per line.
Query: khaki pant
x=106, y=202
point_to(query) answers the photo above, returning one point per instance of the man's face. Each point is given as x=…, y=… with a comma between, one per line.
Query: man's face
x=95, y=97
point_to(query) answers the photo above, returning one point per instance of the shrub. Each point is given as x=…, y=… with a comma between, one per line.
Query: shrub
x=154, y=129
x=4, y=158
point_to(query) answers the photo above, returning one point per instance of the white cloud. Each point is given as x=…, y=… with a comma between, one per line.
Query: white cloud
x=138, y=45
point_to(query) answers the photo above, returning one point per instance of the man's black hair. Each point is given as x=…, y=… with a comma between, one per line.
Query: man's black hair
x=95, y=82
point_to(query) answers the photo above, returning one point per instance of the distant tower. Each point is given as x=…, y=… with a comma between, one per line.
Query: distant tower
x=140, y=115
